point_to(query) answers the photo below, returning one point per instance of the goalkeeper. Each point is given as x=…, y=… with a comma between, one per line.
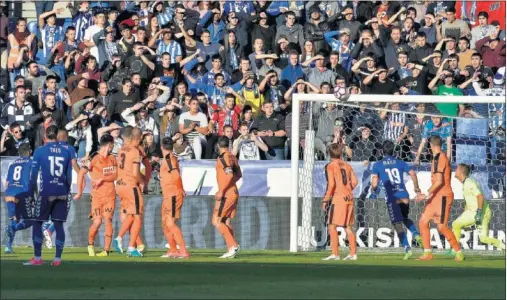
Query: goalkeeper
x=477, y=211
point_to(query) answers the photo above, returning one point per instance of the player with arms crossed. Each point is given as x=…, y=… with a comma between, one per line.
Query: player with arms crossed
x=173, y=195
x=55, y=165
x=339, y=201
x=439, y=201
x=390, y=171
x=477, y=210
x=228, y=174
x=48, y=228
x=129, y=187
x=18, y=196
x=103, y=170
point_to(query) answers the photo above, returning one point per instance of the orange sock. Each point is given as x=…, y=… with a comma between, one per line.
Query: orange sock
x=229, y=239
x=108, y=235
x=135, y=230
x=125, y=226
x=450, y=237
x=424, y=227
x=178, y=236
x=352, y=242
x=333, y=234
x=92, y=232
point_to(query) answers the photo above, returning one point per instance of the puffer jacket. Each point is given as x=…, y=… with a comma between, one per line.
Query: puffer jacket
x=315, y=33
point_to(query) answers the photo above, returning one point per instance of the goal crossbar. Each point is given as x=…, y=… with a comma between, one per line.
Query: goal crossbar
x=297, y=98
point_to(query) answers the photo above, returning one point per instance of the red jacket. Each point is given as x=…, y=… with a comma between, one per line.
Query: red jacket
x=219, y=116
x=491, y=58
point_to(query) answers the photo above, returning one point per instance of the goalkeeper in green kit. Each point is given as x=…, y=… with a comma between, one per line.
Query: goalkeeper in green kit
x=477, y=211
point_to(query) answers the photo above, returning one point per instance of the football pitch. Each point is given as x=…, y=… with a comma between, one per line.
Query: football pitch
x=252, y=275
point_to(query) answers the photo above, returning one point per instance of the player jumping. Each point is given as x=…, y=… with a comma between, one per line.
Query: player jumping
x=390, y=170
x=18, y=196
x=228, y=174
x=339, y=201
x=477, y=210
x=173, y=195
x=439, y=200
x=103, y=194
x=55, y=165
x=129, y=187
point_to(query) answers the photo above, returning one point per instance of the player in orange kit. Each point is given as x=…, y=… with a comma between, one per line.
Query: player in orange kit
x=228, y=174
x=129, y=187
x=439, y=201
x=339, y=201
x=102, y=168
x=173, y=195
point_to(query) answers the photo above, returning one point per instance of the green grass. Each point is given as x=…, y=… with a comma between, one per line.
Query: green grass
x=259, y=274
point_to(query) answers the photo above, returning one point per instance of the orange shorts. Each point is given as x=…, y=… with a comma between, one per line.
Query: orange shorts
x=438, y=208
x=131, y=199
x=102, y=207
x=226, y=207
x=171, y=207
x=341, y=214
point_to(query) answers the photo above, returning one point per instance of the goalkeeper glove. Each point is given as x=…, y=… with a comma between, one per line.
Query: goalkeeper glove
x=478, y=216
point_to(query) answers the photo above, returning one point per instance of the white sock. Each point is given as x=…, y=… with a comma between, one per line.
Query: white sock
x=37, y=257
x=130, y=249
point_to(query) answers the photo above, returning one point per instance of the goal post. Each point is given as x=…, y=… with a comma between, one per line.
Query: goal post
x=308, y=185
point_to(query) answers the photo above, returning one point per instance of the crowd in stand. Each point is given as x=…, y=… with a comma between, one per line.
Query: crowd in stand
x=196, y=70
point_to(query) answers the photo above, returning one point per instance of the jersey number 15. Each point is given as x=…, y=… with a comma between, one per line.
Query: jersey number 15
x=56, y=166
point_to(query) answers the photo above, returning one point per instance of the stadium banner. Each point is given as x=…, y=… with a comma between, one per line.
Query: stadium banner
x=262, y=223
x=273, y=178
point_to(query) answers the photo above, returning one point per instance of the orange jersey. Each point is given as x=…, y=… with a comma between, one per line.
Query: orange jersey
x=103, y=168
x=341, y=181
x=128, y=157
x=441, y=164
x=170, y=177
x=227, y=170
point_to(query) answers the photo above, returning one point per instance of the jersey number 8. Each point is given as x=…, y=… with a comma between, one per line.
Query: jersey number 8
x=17, y=173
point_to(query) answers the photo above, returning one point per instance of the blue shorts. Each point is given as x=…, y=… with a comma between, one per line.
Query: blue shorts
x=397, y=211
x=56, y=209
x=23, y=209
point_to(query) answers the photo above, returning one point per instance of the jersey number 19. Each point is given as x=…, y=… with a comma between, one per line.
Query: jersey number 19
x=394, y=175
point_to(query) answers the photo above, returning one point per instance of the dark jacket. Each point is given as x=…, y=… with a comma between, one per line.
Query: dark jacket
x=119, y=102
x=418, y=53
x=114, y=76
x=226, y=58
x=359, y=51
x=315, y=33
x=266, y=34
x=391, y=53
x=100, y=41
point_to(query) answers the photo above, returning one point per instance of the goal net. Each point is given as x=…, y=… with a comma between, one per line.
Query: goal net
x=475, y=135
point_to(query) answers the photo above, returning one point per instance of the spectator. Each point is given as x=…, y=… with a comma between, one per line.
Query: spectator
x=99, y=20
x=341, y=47
x=492, y=50
x=269, y=65
x=264, y=31
x=315, y=29
x=137, y=116
x=436, y=126
x=482, y=30
x=247, y=145
x=363, y=146
x=232, y=56
x=122, y=100
x=464, y=52
x=478, y=69
x=365, y=46
x=80, y=130
x=429, y=28
x=78, y=87
x=193, y=125
x=304, y=124
x=319, y=73
x=167, y=120
x=291, y=31
x=49, y=105
x=18, y=110
x=216, y=62
x=82, y=18
x=12, y=138
x=349, y=23
x=381, y=84
x=271, y=127
x=50, y=32
x=395, y=128
x=415, y=124
x=272, y=90
x=107, y=48
x=293, y=71
x=149, y=143
x=453, y=26
x=422, y=50
x=20, y=46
